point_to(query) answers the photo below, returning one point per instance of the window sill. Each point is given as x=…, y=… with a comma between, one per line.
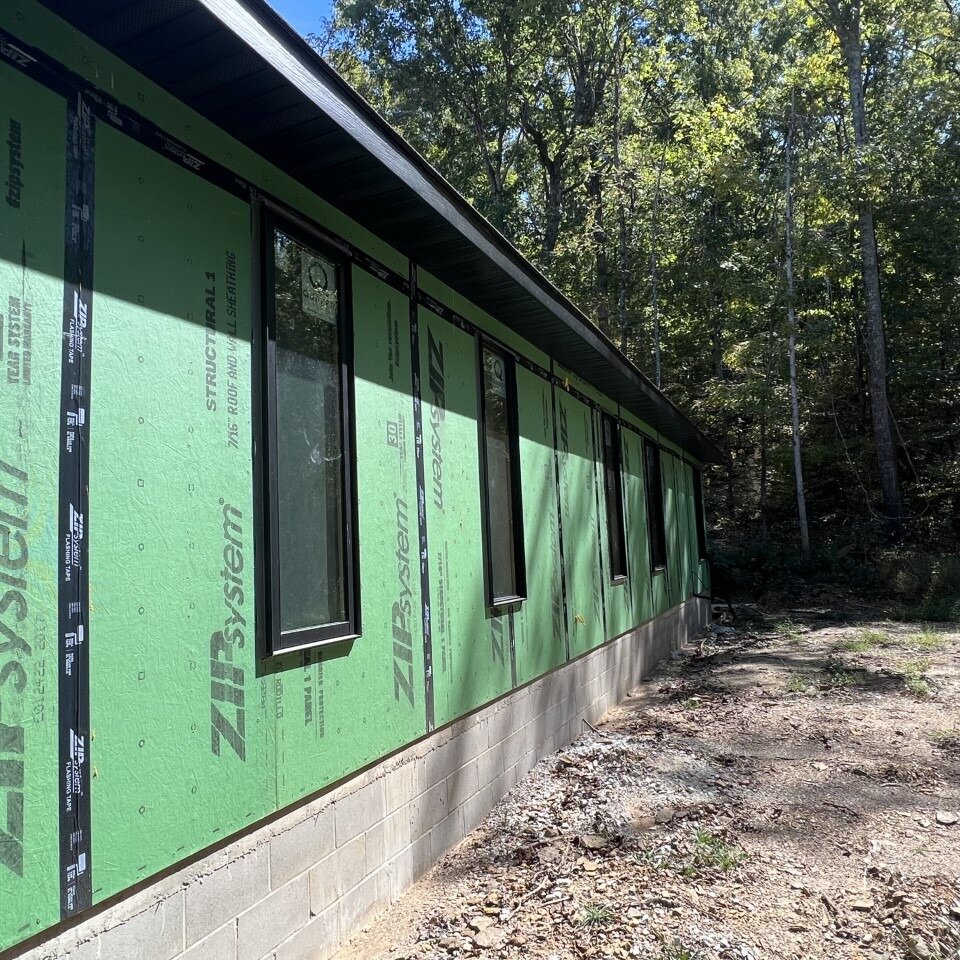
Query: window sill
x=618, y=581
x=501, y=602
x=311, y=644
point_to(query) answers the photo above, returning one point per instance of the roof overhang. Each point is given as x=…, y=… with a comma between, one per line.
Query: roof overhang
x=240, y=65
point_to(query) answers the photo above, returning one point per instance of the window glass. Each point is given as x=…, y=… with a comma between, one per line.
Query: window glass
x=500, y=458
x=658, y=535
x=613, y=485
x=309, y=437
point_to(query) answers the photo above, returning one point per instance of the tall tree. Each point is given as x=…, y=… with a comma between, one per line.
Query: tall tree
x=792, y=336
x=636, y=152
x=843, y=17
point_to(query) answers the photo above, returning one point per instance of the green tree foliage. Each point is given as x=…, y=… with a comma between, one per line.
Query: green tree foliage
x=636, y=152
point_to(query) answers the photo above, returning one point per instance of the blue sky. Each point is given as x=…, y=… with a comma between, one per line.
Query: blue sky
x=302, y=15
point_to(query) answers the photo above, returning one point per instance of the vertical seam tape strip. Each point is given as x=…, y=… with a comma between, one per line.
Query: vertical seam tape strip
x=596, y=492
x=73, y=615
x=421, y=500
x=556, y=474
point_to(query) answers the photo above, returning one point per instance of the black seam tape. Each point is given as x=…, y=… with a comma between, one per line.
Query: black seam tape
x=421, y=499
x=73, y=614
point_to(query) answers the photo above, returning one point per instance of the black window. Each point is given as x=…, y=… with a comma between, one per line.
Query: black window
x=309, y=463
x=698, y=512
x=505, y=573
x=654, y=485
x=613, y=485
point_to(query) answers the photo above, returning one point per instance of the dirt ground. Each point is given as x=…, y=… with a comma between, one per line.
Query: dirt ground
x=788, y=789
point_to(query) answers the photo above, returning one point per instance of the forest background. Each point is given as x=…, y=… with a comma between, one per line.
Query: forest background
x=760, y=203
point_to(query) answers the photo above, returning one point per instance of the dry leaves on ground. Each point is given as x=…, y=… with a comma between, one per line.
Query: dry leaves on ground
x=788, y=789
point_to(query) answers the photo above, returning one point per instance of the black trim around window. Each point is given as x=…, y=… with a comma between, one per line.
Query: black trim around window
x=346, y=627
x=612, y=452
x=698, y=513
x=500, y=517
x=656, y=524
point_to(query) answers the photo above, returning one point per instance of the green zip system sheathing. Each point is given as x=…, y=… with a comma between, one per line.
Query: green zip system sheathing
x=174, y=691
x=580, y=522
x=193, y=733
x=540, y=629
x=471, y=650
x=33, y=123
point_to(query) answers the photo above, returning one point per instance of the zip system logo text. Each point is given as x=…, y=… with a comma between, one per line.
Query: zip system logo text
x=15, y=654
x=402, y=611
x=227, y=716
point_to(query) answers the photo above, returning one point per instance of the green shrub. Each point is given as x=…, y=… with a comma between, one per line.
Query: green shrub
x=926, y=584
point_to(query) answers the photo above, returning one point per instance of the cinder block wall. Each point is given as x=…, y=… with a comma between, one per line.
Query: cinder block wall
x=297, y=887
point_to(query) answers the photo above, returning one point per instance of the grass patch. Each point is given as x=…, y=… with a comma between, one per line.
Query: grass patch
x=790, y=630
x=836, y=676
x=708, y=851
x=866, y=639
x=919, y=687
x=927, y=640
x=671, y=949
x=596, y=915
x=649, y=857
x=712, y=852
x=915, y=679
x=801, y=683
x=859, y=645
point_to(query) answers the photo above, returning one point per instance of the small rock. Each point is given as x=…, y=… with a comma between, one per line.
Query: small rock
x=479, y=923
x=593, y=841
x=945, y=818
x=490, y=939
x=664, y=815
x=863, y=905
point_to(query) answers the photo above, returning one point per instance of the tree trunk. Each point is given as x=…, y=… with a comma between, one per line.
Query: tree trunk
x=655, y=272
x=623, y=272
x=763, y=471
x=595, y=189
x=874, y=336
x=553, y=177
x=623, y=276
x=792, y=347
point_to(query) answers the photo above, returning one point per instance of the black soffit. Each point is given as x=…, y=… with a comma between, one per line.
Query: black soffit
x=240, y=65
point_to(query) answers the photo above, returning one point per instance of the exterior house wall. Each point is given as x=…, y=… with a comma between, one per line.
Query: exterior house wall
x=135, y=261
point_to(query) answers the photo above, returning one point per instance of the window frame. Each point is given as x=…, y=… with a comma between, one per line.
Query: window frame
x=484, y=343
x=277, y=642
x=698, y=513
x=617, y=507
x=656, y=512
